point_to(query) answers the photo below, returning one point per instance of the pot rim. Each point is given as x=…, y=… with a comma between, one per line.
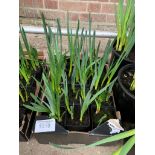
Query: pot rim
x=120, y=83
x=126, y=59
x=118, y=54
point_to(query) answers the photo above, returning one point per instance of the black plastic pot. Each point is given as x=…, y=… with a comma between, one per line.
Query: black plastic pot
x=29, y=90
x=62, y=136
x=46, y=137
x=22, y=112
x=75, y=124
x=36, y=74
x=124, y=99
x=43, y=137
x=115, y=56
x=26, y=120
x=32, y=86
x=31, y=82
x=107, y=112
x=26, y=116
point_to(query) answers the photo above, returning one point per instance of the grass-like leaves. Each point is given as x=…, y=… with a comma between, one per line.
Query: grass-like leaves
x=125, y=21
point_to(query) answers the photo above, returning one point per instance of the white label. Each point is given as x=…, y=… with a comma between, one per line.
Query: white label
x=115, y=126
x=47, y=125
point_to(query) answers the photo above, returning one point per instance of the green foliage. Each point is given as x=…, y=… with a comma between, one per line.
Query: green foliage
x=23, y=93
x=114, y=138
x=52, y=82
x=102, y=63
x=84, y=65
x=123, y=150
x=111, y=71
x=90, y=97
x=28, y=64
x=65, y=92
x=24, y=69
x=56, y=59
x=125, y=21
x=31, y=51
x=52, y=105
x=56, y=63
x=126, y=147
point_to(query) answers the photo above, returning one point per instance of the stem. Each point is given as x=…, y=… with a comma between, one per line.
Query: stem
x=98, y=109
x=120, y=47
x=83, y=93
x=117, y=43
x=72, y=116
x=80, y=118
x=59, y=119
x=68, y=108
x=96, y=85
x=20, y=94
x=98, y=104
x=26, y=95
x=70, y=69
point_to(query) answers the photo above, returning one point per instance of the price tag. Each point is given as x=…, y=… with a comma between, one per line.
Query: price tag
x=47, y=125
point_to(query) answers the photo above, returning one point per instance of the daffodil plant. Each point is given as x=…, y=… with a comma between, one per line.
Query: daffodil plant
x=125, y=21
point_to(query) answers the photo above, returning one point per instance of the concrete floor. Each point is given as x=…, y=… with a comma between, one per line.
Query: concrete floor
x=34, y=148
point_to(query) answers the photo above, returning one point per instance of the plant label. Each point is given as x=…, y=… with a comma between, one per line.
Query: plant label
x=47, y=125
x=115, y=126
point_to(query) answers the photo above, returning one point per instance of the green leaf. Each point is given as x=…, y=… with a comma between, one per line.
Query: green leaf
x=88, y=100
x=103, y=61
x=37, y=109
x=124, y=20
x=113, y=138
x=127, y=146
x=40, y=107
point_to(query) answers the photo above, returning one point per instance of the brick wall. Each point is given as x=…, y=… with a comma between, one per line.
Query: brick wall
x=102, y=12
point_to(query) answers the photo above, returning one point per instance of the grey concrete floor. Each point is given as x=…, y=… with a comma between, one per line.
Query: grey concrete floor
x=34, y=148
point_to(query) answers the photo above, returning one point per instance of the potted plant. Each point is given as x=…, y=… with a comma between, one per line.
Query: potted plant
x=125, y=21
x=69, y=94
x=126, y=95
x=104, y=91
x=29, y=67
x=126, y=91
x=84, y=62
x=58, y=78
x=52, y=80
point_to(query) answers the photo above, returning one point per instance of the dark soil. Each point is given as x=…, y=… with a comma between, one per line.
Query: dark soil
x=107, y=112
x=127, y=78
